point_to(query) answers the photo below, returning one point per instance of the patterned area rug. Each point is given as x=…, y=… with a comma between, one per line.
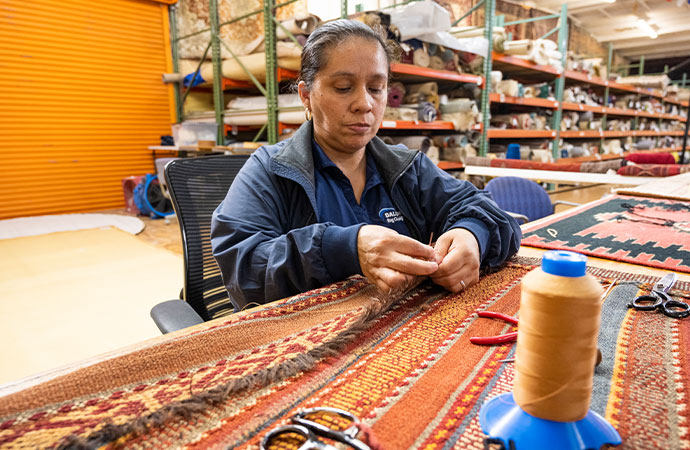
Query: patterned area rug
x=646, y=231
x=407, y=369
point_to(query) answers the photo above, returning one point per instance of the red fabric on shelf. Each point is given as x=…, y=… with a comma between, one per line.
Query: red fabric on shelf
x=651, y=158
x=654, y=170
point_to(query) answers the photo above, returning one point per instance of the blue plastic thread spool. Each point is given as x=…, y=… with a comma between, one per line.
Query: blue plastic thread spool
x=505, y=422
x=513, y=151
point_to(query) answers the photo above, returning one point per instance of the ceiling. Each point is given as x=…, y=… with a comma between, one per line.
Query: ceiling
x=616, y=23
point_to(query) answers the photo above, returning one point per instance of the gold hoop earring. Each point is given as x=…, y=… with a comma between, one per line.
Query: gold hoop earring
x=307, y=114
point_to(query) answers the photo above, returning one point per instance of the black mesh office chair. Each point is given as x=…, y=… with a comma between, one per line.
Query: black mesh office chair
x=197, y=186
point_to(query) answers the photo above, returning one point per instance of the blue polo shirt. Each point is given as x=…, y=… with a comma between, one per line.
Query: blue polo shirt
x=335, y=198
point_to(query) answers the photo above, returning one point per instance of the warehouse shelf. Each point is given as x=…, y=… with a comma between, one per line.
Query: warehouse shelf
x=569, y=106
x=520, y=134
x=531, y=101
x=522, y=69
x=611, y=133
x=450, y=165
x=411, y=73
x=281, y=75
x=409, y=125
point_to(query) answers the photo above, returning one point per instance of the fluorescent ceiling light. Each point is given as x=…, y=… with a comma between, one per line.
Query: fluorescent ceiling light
x=647, y=28
x=608, y=1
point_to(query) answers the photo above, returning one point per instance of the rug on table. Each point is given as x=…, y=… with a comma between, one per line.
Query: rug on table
x=76, y=294
x=409, y=372
x=646, y=231
x=35, y=225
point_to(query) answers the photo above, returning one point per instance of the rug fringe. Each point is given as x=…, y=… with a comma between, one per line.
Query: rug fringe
x=197, y=403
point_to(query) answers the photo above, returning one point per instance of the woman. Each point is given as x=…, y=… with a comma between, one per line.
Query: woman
x=334, y=200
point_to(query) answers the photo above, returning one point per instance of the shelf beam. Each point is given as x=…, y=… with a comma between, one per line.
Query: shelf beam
x=489, y=6
x=218, y=102
x=560, y=81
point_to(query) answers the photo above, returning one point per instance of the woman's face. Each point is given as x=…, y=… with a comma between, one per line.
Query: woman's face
x=348, y=95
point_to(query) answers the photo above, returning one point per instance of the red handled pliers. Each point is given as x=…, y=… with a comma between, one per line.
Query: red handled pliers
x=500, y=339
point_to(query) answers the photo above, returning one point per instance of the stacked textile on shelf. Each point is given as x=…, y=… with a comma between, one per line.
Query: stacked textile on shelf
x=594, y=67
x=590, y=166
x=289, y=57
x=253, y=110
x=244, y=38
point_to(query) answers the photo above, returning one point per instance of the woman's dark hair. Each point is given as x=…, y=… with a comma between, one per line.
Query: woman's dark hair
x=329, y=35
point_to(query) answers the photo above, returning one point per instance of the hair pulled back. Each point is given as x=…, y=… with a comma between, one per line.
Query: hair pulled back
x=328, y=36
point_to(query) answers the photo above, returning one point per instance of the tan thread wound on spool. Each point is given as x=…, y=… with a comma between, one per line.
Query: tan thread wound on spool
x=557, y=345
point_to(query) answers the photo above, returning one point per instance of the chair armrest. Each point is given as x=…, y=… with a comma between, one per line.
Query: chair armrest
x=565, y=202
x=174, y=315
x=518, y=216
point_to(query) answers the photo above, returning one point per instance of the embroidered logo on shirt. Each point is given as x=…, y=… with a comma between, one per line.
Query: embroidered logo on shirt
x=390, y=215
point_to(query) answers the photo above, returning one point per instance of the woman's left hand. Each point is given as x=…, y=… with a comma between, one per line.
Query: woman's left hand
x=457, y=255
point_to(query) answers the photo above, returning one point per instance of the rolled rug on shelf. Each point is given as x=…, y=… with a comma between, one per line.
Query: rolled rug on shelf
x=421, y=58
x=427, y=112
x=437, y=63
x=508, y=87
x=303, y=25
x=525, y=121
x=259, y=102
x=407, y=114
x=427, y=88
x=453, y=140
x=294, y=117
x=521, y=47
x=474, y=137
x=455, y=154
x=462, y=121
x=396, y=94
x=433, y=154
x=458, y=105
x=421, y=143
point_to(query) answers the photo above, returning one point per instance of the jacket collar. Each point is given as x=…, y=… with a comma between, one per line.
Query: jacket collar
x=391, y=161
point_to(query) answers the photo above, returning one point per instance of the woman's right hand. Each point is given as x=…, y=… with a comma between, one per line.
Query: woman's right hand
x=391, y=260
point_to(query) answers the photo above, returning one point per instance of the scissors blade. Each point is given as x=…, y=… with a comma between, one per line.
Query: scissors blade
x=664, y=285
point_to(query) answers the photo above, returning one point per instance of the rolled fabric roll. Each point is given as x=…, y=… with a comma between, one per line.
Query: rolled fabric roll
x=528, y=92
x=427, y=112
x=525, y=121
x=430, y=87
x=435, y=100
x=433, y=154
x=421, y=58
x=396, y=93
x=437, y=63
x=453, y=140
x=454, y=154
x=421, y=143
x=508, y=87
x=301, y=25
x=407, y=56
x=474, y=136
x=499, y=41
x=408, y=114
x=470, y=152
x=447, y=55
x=521, y=47
x=391, y=113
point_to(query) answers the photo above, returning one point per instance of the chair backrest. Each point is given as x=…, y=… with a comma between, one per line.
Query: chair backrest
x=197, y=186
x=520, y=195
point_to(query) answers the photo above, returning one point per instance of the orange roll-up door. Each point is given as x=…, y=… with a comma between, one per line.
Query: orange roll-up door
x=81, y=99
